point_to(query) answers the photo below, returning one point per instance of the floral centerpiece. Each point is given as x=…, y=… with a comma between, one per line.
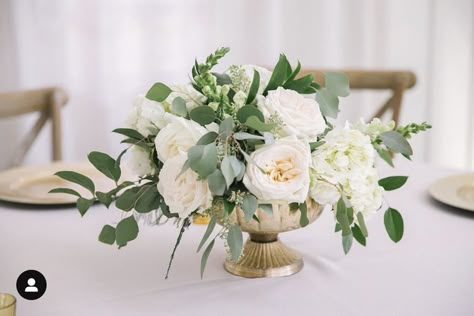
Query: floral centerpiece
x=239, y=146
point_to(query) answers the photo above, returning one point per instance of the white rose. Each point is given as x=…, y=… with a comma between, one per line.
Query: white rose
x=139, y=162
x=147, y=116
x=187, y=92
x=184, y=194
x=286, y=171
x=178, y=136
x=300, y=116
x=264, y=73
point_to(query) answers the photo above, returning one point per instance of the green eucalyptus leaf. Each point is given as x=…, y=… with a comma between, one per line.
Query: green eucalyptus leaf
x=253, y=87
x=65, y=190
x=148, y=199
x=235, y=242
x=209, y=229
x=337, y=83
x=392, y=183
x=357, y=233
x=255, y=123
x=342, y=218
x=362, y=226
x=203, y=115
x=228, y=170
x=347, y=242
x=247, y=111
x=328, y=103
x=236, y=165
x=227, y=125
x=249, y=206
x=393, y=224
x=207, y=138
x=158, y=92
x=228, y=207
x=244, y=136
x=385, y=155
x=77, y=178
x=304, y=221
x=217, y=183
x=83, y=205
x=396, y=142
x=126, y=230
x=205, y=256
x=107, y=235
x=337, y=228
x=105, y=164
x=315, y=145
x=203, y=159
x=131, y=133
x=178, y=106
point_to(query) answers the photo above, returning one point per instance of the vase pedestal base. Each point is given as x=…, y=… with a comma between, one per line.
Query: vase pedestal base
x=264, y=255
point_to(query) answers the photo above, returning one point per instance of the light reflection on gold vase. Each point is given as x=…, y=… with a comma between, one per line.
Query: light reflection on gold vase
x=264, y=255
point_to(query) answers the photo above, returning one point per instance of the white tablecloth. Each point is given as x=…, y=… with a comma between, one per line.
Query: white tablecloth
x=430, y=272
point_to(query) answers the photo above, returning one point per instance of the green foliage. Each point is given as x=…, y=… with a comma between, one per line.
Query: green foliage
x=203, y=115
x=186, y=224
x=247, y=111
x=337, y=83
x=358, y=235
x=83, y=205
x=104, y=198
x=158, y=92
x=203, y=159
x=65, y=190
x=126, y=201
x=148, y=199
x=362, y=226
x=205, y=256
x=178, y=107
x=128, y=132
x=209, y=229
x=393, y=224
x=255, y=123
x=304, y=221
x=347, y=242
x=384, y=154
x=342, y=218
x=105, y=164
x=246, y=136
x=226, y=126
x=253, y=87
x=396, y=142
x=228, y=207
x=228, y=170
x=217, y=183
x=328, y=103
x=77, y=178
x=126, y=231
x=315, y=145
x=107, y=235
x=235, y=242
x=407, y=131
x=392, y=183
x=249, y=206
x=207, y=138
x=280, y=74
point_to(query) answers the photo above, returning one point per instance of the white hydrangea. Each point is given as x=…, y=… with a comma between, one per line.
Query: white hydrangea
x=187, y=92
x=374, y=128
x=345, y=162
x=147, y=116
x=139, y=162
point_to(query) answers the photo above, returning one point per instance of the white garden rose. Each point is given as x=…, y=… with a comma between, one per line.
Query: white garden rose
x=300, y=116
x=178, y=136
x=147, y=116
x=184, y=194
x=187, y=92
x=139, y=162
x=264, y=73
x=285, y=177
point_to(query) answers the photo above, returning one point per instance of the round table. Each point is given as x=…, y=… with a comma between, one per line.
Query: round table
x=430, y=272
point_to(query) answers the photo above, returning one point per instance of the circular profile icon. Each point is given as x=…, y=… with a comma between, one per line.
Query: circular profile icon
x=31, y=285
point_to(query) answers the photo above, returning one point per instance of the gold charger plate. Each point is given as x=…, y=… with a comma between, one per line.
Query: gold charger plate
x=31, y=184
x=457, y=190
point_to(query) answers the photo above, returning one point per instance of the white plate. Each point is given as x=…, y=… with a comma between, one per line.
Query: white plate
x=31, y=184
x=457, y=190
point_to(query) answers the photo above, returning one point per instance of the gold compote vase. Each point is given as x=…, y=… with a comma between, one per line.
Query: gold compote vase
x=264, y=255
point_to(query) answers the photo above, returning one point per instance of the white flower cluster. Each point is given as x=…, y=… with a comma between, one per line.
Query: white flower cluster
x=345, y=163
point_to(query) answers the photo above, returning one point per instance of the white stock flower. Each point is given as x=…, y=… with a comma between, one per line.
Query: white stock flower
x=300, y=116
x=375, y=127
x=285, y=175
x=139, y=162
x=147, y=116
x=346, y=160
x=187, y=92
x=183, y=194
x=178, y=136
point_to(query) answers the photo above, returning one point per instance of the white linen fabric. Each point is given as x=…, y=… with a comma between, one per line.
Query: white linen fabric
x=430, y=272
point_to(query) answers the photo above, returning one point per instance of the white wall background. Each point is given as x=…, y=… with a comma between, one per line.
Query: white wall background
x=104, y=52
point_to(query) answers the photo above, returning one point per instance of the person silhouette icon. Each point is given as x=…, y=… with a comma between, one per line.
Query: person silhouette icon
x=31, y=286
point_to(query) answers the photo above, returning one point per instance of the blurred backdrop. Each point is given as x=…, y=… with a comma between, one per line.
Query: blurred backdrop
x=104, y=52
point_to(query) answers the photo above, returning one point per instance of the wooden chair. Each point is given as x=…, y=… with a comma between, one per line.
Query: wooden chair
x=396, y=81
x=47, y=102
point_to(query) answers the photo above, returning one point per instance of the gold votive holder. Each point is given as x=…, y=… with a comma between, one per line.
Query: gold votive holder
x=7, y=304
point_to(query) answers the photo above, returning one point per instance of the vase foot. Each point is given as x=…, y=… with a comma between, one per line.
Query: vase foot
x=265, y=256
